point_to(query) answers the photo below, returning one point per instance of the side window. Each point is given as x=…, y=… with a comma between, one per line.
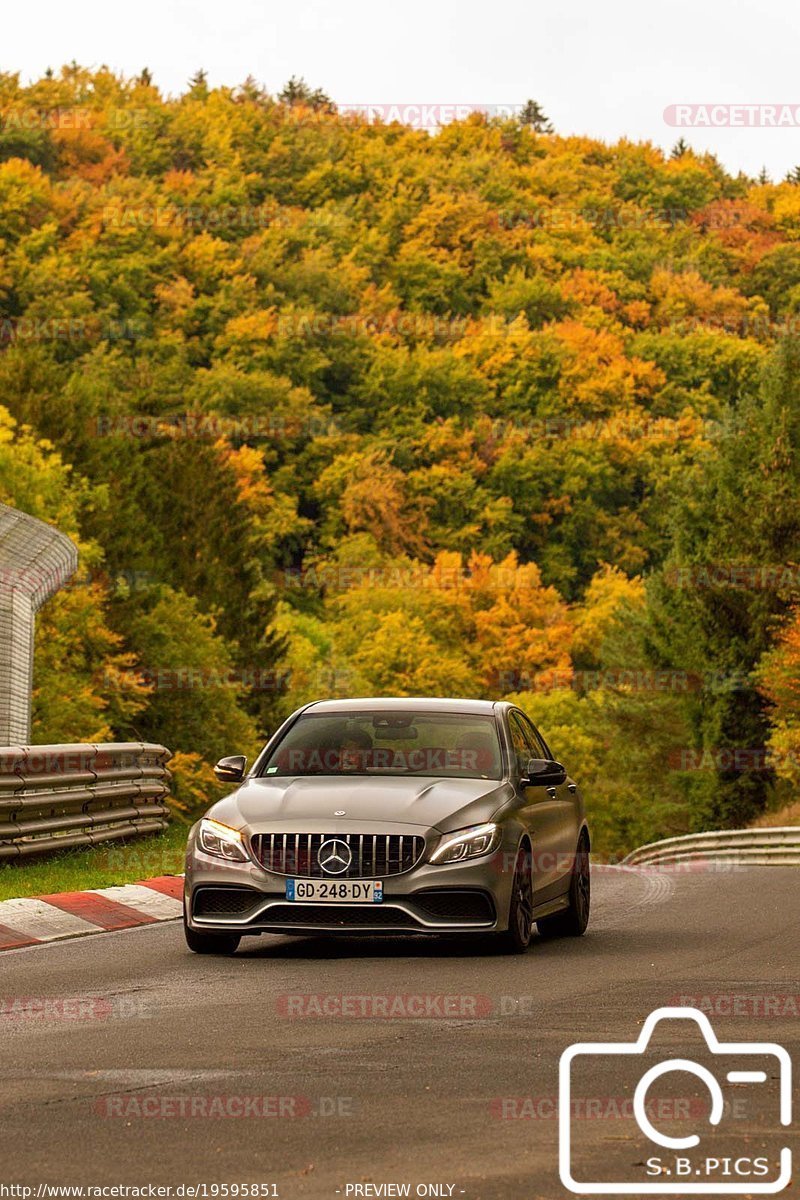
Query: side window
x=535, y=739
x=521, y=743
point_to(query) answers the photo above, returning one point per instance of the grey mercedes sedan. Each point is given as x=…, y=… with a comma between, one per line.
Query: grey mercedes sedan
x=392, y=816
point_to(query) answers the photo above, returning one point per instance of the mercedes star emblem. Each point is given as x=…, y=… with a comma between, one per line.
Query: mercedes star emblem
x=334, y=856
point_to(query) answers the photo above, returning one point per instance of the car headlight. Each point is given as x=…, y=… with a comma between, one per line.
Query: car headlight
x=468, y=843
x=221, y=840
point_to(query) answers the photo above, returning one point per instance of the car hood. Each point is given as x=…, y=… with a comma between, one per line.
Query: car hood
x=375, y=804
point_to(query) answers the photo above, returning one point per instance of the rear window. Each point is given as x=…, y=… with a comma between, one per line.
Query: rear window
x=446, y=745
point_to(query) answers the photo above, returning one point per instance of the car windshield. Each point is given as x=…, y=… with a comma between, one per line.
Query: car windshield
x=447, y=745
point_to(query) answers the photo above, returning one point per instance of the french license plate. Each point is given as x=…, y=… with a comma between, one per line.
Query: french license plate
x=332, y=891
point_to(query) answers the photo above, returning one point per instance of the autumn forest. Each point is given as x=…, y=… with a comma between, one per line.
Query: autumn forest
x=337, y=407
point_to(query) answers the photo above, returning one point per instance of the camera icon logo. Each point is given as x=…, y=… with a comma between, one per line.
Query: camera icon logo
x=684, y=1161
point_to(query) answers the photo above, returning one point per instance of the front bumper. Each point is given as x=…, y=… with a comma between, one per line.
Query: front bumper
x=458, y=898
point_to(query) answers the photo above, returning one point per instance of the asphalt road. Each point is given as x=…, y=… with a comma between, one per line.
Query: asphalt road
x=136, y=1029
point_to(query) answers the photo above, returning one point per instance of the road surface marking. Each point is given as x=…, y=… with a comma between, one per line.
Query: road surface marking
x=41, y=921
x=27, y=921
x=144, y=900
x=98, y=909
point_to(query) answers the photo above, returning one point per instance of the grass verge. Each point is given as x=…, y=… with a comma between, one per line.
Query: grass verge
x=96, y=866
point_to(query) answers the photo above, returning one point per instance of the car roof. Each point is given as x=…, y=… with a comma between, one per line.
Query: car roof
x=404, y=704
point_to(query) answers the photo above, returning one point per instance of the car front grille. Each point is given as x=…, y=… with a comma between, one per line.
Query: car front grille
x=374, y=855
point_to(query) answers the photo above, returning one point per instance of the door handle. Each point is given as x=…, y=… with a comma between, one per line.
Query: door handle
x=573, y=787
x=551, y=791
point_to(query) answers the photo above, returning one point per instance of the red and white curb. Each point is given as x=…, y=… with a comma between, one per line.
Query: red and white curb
x=29, y=922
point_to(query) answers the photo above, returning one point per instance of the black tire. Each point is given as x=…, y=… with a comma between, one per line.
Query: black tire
x=211, y=943
x=573, y=920
x=517, y=938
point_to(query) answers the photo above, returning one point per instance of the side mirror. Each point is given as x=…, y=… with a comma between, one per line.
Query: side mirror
x=231, y=770
x=543, y=772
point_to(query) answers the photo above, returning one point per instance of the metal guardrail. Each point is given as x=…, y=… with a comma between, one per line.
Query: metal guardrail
x=53, y=797
x=778, y=846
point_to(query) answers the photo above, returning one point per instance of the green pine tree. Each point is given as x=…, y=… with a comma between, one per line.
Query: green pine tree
x=725, y=584
x=533, y=115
